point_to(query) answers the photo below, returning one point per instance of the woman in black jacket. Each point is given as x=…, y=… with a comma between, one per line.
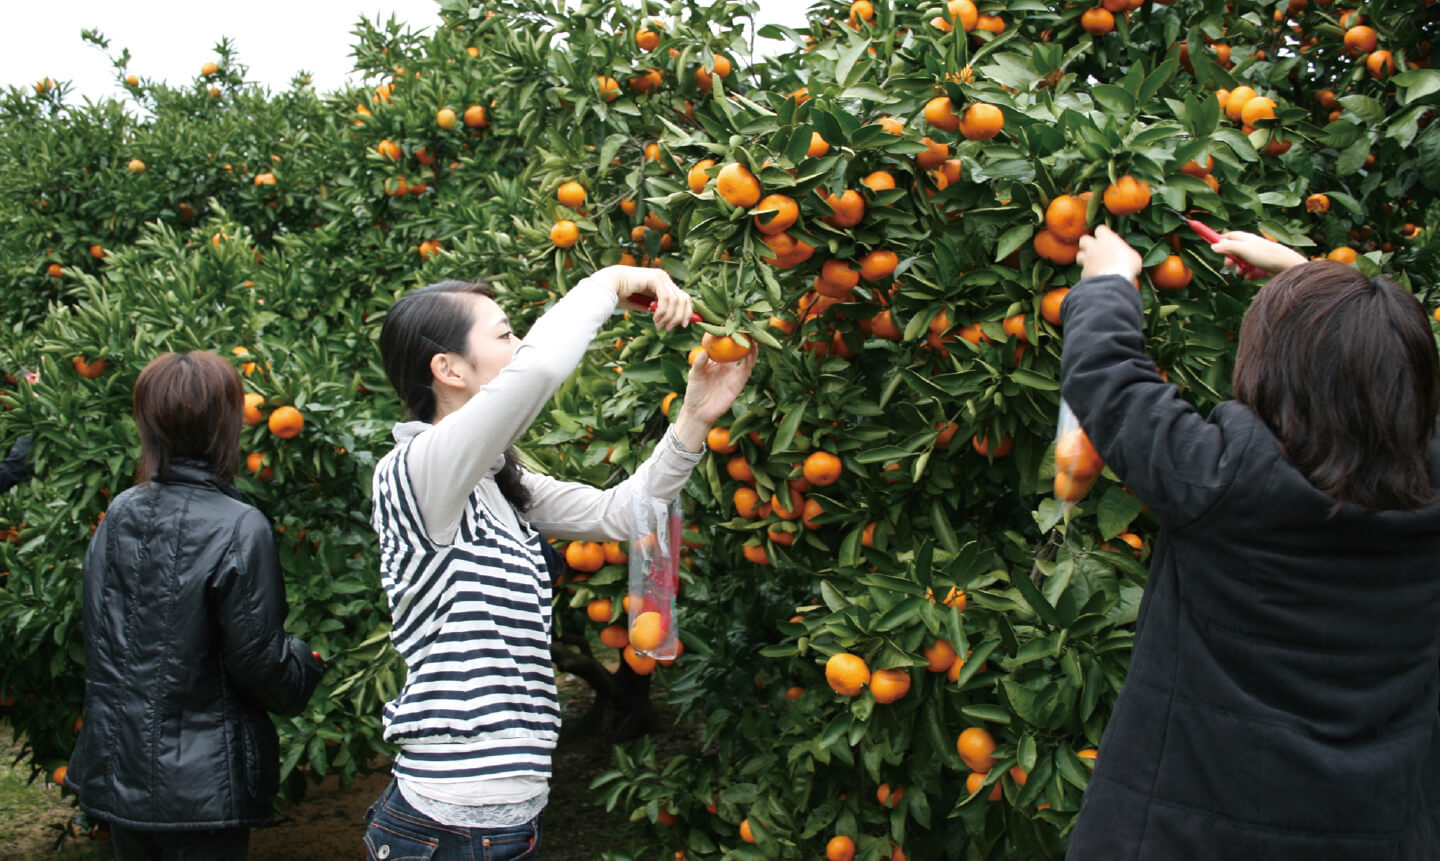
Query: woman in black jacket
x=185, y=646
x=1282, y=697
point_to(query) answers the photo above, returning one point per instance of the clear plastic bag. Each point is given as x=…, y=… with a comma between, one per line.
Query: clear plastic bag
x=654, y=576
x=1077, y=463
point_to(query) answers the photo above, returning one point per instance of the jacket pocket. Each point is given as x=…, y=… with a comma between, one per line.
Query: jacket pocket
x=260, y=758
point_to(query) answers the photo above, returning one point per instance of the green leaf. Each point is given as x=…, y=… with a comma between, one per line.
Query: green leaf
x=785, y=434
x=1417, y=83
x=1035, y=380
x=1037, y=602
x=1116, y=511
x=1113, y=99
x=1012, y=239
x=987, y=713
x=851, y=53
x=1368, y=110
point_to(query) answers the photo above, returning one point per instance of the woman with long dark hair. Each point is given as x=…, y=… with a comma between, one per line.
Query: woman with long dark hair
x=185, y=644
x=462, y=562
x=1282, y=696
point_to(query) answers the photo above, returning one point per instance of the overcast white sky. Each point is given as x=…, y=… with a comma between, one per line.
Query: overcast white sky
x=170, y=39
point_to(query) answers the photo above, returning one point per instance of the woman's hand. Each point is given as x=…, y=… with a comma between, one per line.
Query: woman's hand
x=1257, y=251
x=1106, y=253
x=638, y=286
x=712, y=388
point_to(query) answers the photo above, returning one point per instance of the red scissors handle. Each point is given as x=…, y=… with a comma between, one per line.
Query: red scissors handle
x=1208, y=234
x=694, y=318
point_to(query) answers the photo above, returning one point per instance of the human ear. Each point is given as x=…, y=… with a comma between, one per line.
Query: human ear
x=446, y=371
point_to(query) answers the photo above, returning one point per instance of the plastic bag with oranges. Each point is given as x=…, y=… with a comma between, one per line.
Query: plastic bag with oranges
x=654, y=576
x=1077, y=464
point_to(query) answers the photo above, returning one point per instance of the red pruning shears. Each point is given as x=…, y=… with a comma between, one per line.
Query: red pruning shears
x=1207, y=233
x=694, y=318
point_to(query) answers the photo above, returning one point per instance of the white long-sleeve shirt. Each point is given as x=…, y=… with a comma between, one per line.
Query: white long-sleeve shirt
x=450, y=468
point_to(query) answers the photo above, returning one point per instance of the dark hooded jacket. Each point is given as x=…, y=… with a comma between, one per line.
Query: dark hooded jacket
x=185, y=653
x=1281, y=702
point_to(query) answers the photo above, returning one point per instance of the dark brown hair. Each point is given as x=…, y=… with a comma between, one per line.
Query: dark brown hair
x=425, y=322
x=1344, y=371
x=188, y=405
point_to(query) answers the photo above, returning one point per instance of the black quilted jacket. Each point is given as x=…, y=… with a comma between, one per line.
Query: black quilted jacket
x=185, y=653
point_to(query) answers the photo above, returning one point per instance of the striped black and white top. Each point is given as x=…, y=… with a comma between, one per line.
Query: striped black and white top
x=467, y=586
x=472, y=621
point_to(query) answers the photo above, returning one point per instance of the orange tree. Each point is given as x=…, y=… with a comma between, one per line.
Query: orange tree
x=897, y=641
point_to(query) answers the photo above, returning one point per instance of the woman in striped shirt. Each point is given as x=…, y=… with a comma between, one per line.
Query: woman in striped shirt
x=460, y=526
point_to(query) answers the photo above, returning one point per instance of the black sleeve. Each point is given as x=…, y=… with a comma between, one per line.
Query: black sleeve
x=248, y=595
x=1174, y=460
x=15, y=468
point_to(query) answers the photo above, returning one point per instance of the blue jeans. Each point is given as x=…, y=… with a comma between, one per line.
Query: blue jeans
x=399, y=832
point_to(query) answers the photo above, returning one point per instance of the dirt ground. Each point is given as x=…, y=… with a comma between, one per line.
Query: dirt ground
x=329, y=822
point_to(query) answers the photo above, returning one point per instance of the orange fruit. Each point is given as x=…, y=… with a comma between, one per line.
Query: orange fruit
x=722, y=65
x=260, y=179
x=609, y=88
x=1015, y=325
x=756, y=554
x=1343, y=255
x=255, y=462
x=1127, y=196
x=54, y=270
x=1089, y=753
x=933, y=157
x=878, y=264
x=1055, y=249
x=646, y=39
x=88, y=370
x=981, y=444
x=846, y=674
x=981, y=122
x=1171, y=274
x=135, y=165
x=880, y=180
x=784, y=214
x=445, y=118
x=58, y=775
x=822, y=468
x=614, y=636
x=253, y=416
x=818, y=145
x=882, y=325
x=975, y=781
x=643, y=666
x=812, y=510
x=976, y=747
x=889, y=685
x=1065, y=218
x=940, y=113
x=565, y=233
x=887, y=796
x=600, y=610
x=861, y=10
x=1050, y=305
x=1019, y=775
x=696, y=178
x=841, y=848
x=1317, y=203
x=286, y=422
x=209, y=69
x=718, y=439
x=1360, y=39
x=1068, y=488
x=613, y=554
x=724, y=349
x=1257, y=109
x=1380, y=64
x=849, y=209
x=747, y=503
x=964, y=13
x=1076, y=456
x=647, y=632
x=586, y=557
x=953, y=169
x=738, y=468
x=1193, y=167
x=475, y=117
x=389, y=149
x=746, y=833
x=1235, y=104
x=941, y=656
x=571, y=194
x=737, y=185
x=1097, y=21
x=947, y=433
x=838, y=274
